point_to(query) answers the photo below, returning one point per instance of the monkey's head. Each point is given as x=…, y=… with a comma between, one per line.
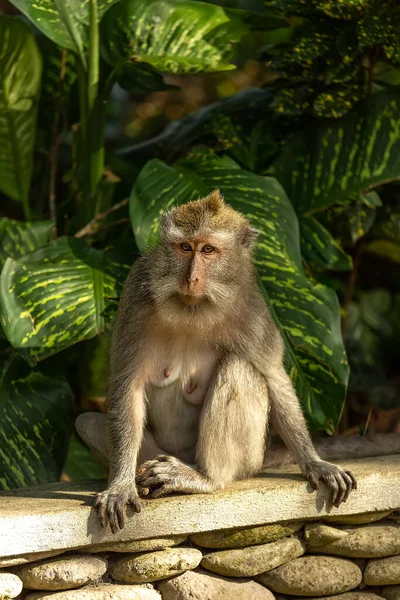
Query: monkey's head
x=203, y=259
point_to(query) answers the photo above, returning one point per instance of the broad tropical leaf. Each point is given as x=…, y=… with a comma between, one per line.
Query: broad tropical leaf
x=63, y=21
x=56, y=296
x=307, y=313
x=80, y=463
x=22, y=237
x=319, y=248
x=325, y=165
x=20, y=71
x=35, y=425
x=173, y=36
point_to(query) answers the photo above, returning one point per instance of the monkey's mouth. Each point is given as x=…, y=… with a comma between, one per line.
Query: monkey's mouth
x=190, y=298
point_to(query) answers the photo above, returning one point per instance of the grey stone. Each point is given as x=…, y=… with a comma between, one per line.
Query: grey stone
x=10, y=585
x=241, y=538
x=370, y=541
x=137, y=546
x=61, y=516
x=391, y=592
x=13, y=561
x=62, y=573
x=313, y=576
x=153, y=566
x=247, y=562
x=383, y=571
x=318, y=534
x=101, y=592
x=360, y=519
x=201, y=586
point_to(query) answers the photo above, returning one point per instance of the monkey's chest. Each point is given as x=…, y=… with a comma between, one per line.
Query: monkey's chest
x=190, y=368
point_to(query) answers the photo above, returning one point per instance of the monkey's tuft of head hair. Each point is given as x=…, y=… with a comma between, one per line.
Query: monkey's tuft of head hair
x=209, y=214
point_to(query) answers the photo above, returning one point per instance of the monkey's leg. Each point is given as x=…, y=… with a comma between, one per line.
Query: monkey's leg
x=288, y=420
x=231, y=437
x=92, y=429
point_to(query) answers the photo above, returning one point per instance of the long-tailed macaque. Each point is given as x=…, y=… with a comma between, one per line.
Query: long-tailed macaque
x=197, y=371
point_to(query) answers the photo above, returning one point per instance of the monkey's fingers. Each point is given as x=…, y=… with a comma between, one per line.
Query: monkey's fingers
x=353, y=479
x=351, y=483
x=101, y=507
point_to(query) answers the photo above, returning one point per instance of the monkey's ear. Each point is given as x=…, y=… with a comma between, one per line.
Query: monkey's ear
x=249, y=236
x=214, y=201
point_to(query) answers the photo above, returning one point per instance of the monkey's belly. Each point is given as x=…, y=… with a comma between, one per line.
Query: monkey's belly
x=173, y=421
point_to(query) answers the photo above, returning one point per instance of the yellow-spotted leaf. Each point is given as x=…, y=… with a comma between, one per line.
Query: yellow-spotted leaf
x=57, y=296
x=20, y=73
x=22, y=237
x=327, y=164
x=319, y=249
x=36, y=419
x=65, y=22
x=173, y=36
x=307, y=313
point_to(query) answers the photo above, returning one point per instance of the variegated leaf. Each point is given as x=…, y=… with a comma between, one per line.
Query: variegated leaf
x=319, y=249
x=307, y=313
x=63, y=21
x=22, y=237
x=174, y=36
x=56, y=296
x=326, y=164
x=20, y=72
x=36, y=420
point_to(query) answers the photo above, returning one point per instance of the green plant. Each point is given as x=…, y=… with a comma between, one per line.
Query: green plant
x=312, y=185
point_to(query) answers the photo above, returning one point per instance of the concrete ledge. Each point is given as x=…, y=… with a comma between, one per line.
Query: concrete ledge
x=60, y=516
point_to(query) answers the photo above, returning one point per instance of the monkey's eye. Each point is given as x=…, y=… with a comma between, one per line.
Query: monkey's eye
x=186, y=247
x=207, y=249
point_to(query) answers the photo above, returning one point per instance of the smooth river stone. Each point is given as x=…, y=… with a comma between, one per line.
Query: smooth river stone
x=104, y=591
x=391, y=592
x=10, y=585
x=136, y=546
x=347, y=596
x=241, y=538
x=247, y=562
x=361, y=519
x=313, y=576
x=13, y=561
x=319, y=534
x=383, y=571
x=152, y=566
x=62, y=573
x=201, y=586
x=370, y=541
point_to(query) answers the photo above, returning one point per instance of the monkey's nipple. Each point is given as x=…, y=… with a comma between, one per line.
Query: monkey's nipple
x=191, y=387
x=167, y=373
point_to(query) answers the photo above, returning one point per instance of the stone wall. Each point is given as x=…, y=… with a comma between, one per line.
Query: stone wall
x=343, y=554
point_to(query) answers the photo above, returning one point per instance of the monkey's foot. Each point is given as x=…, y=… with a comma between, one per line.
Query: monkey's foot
x=340, y=482
x=167, y=474
x=111, y=504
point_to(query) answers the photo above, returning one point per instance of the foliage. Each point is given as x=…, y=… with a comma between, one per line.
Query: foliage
x=312, y=158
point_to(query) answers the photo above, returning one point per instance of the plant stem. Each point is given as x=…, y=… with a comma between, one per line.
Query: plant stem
x=93, y=71
x=91, y=227
x=55, y=146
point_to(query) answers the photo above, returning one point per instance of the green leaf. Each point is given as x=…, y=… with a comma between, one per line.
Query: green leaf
x=326, y=164
x=173, y=36
x=56, y=296
x=65, y=22
x=306, y=313
x=320, y=249
x=20, y=72
x=140, y=78
x=81, y=464
x=22, y=237
x=35, y=426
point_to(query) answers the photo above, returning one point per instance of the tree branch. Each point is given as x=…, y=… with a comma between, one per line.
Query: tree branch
x=93, y=225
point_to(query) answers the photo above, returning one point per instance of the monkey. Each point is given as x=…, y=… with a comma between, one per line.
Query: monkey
x=197, y=375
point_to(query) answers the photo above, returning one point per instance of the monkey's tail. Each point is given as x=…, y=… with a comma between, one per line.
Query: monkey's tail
x=339, y=447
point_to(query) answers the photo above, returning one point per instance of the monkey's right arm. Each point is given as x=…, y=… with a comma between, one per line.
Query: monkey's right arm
x=126, y=414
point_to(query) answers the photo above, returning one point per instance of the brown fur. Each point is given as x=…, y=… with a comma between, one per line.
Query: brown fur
x=197, y=357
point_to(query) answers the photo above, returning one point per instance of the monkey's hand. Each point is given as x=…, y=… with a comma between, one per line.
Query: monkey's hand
x=111, y=504
x=167, y=474
x=340, y=482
